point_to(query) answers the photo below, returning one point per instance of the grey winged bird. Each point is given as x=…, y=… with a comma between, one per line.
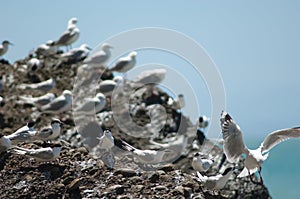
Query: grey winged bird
x=92, y=105
x=216, y=182
x=44, y=86
x=50, y=132
x=234, y=145
x=124, y=64
x=38, y=101
x=23, y=134
x=100, y=57
x=60, y=104
x=70, y=35
x=106, y=141
x=4, y=47
x=42, y=154
x=201, y=164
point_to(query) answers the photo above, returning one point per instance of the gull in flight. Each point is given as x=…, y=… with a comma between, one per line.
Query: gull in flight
x=200, y=164
x=216, y=182
x=124, y=64
x=23, y=134
x=5, y=143
x=70, y=35
x=92, y=105
x=44, y=86
x=60, y=104
x=98, y=58
x=42, y=154
x=51, y=132
x=234, y=145
x=37, y=101
x=4, y=47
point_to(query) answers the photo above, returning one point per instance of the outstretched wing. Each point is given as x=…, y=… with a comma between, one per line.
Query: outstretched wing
x=233, y=140
x=276, y=137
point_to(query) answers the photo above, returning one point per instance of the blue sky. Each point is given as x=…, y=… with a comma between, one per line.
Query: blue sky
x=254, y=44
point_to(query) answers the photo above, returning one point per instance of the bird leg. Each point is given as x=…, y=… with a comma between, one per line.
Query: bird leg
x=261, y=179
x=250, y=177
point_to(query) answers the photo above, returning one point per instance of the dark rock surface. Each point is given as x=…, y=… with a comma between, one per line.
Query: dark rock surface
x=79, y=174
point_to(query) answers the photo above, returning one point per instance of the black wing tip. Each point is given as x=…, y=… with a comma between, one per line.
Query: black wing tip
x=123, y=145
x=227, y=170
x=225, y=116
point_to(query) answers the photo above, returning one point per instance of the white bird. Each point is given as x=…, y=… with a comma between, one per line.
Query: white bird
x=98, y=58
x=38, y=101
x=42, y=154
x=124, y=64
x=92, y=105
x=4, y=47
x=106, y=141
x=23, y=134
x=148, y=156
x=153, y=76
x=76, y=54
x=200, y=164
x=70, y=35
x=60, y=104
x=33, y=64
x=51, y=132
x=216, y=182
x=5, y=143
x=46, y=49
x=107, y=86
x=234, y=145
x=44, y=86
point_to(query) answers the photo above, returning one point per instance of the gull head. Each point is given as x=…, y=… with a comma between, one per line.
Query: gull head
x=106, y=46
x=67, y=93
x=6, y=43
x=56, y=122
x=133, y=54
x=100, y=96
x=73, y=20
x=30, y=124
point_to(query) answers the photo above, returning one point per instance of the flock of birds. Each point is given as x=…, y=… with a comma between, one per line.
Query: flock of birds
x=233, y=144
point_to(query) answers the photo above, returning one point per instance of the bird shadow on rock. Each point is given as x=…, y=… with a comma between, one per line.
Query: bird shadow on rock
x=49, y=170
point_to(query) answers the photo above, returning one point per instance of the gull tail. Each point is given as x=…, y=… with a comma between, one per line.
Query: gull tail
x=200, y=177
x=20, y=150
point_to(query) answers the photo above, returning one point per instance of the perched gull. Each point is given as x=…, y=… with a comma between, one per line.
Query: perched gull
x=124, y=64
x=41, y=155
x=51, y=132
x=5, y=143
x=46, y=49
x=70, y=35
x=92, y=105
x=147, y=156
x=100, y=57
x=216, y=182
x=60, y=104
x=153, y=76
x=4, y=47
x=76, y=54
x=107, y=86
x=45, y=86
x=33, y=64
x=234, y=145
x=106, y=141
x=23, y=134
x=200, y=164
x=38, y=101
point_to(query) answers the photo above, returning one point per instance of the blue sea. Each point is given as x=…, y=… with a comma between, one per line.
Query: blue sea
x=281, y=171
